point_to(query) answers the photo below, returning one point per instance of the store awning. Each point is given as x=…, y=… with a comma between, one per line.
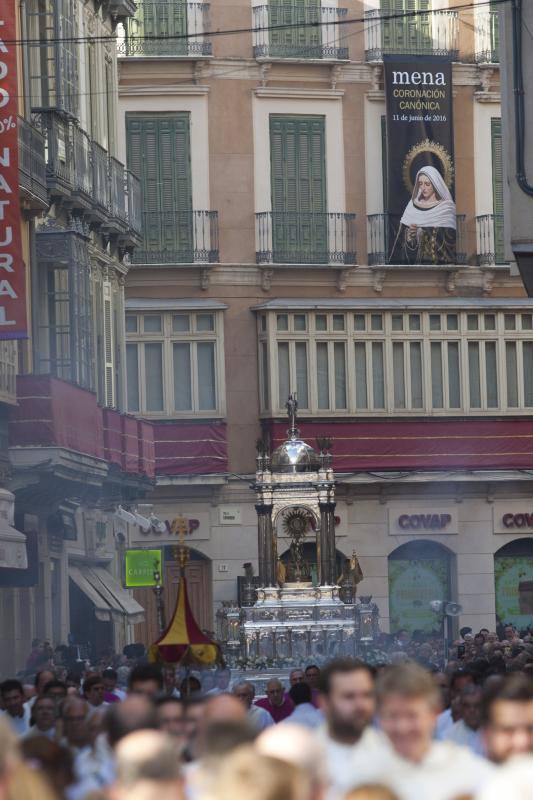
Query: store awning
x=13, y=553
x=119, y=598
x=108, y=597
x=102, y=609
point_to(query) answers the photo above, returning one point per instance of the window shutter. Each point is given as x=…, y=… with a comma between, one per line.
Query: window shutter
x=109, y=345
x=298, y=176
x=497, y=187
x=159, y=154
x=302, y=40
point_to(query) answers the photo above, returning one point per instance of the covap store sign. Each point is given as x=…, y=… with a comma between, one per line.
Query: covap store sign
x=12, y=279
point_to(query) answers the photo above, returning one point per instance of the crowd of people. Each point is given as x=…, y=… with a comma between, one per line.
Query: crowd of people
x=347, y=730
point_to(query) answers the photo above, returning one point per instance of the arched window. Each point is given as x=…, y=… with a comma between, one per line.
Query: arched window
x=513, y=579
x=419, y=572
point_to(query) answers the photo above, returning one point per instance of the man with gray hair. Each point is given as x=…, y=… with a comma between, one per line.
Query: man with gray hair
x=278, y=704
x=258, y=717
x=148, y=768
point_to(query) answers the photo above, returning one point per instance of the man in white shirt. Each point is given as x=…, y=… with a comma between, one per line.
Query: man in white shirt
x=258, y=717
x=17, y=712
x=348, y=702
x=304, y=711
x=466, y=731
x=414, y=765
x=507, y=718
x=44, y=714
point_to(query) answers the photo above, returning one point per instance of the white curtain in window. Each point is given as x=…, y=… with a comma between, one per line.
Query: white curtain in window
x=182, y=377
x=527, y=353
x=398, y=374
x=491, y=374
x=301, y=374
x=415, y=353
x=454, y=373
x=378, y=375
x=205, y=356
x=132, y=371
x=361, y=396
x=322, y=374
x=265, y=376
x=437, y=395
x=473, y=375
x=283, y=373
x=512, y=374
x=339, y=357
x=153, y=370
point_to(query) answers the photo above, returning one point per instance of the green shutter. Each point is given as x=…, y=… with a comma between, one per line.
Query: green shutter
x=299, y=39
x=408, y=34
x=298, y=176
x=159, y=154
x=158, y=18
x=497, y=187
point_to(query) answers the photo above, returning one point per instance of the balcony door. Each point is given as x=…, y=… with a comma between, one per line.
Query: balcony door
x=158, y=19
x=295, y=41
x=407, y=34
x=159, y=154
x=298, y=177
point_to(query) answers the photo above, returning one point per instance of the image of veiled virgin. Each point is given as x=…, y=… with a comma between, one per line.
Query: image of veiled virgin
x=426, y=233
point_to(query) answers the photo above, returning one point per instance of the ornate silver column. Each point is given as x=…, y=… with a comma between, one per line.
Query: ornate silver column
x=265, y=546
x=326, y=545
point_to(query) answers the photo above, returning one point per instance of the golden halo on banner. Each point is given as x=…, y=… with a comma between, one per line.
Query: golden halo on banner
x=437, y=150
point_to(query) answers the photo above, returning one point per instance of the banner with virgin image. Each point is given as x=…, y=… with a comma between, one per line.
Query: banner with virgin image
x=420, y=203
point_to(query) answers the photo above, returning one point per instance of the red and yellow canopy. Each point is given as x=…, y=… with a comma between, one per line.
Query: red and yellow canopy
x=183, y=642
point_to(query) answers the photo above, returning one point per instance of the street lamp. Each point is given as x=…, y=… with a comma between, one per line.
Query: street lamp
x=158, y=591
x=445, y=609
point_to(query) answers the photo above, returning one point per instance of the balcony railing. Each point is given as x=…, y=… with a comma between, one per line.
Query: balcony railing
x=424, y=34
x=58, y=152
x=101, y=188
x=381, y=233
x=117, y=189
x=32, y=164
x=133, y=202
x=487, y=36
x=189, y=237
x=166, y=28
x=317, y=38
x=305, y=238
x=490, y=239
x=82, y=173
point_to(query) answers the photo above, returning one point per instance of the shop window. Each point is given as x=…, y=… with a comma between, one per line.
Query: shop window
x=513, y=579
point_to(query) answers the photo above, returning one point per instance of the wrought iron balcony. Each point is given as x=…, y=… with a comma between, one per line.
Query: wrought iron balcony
x=490, y=239
x=317, y=38
x=58, y=152
x=487, y=36
x=305, y=238
x=101, y=186
x=381, y=233
x=117, y=190
x=133, y=202
x=166, y=28
x=187, y=237
x=32, y=165
x=82, y=171
x=423, y=35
